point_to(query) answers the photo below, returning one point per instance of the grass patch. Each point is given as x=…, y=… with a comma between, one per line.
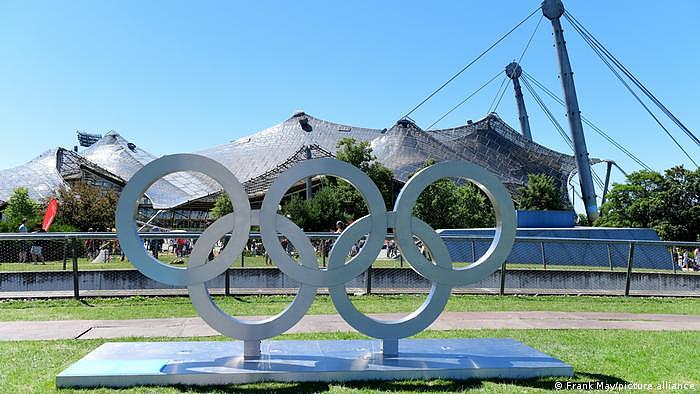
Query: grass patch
x=85, y=264
x=164, y=307
x=612, y=356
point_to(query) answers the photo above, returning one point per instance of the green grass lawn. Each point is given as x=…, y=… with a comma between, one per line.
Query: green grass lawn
x=164, y=307
x=611, y=356
x=117, y=263
x=259, y=261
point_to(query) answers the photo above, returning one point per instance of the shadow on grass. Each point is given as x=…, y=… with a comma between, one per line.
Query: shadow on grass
x=418, y=386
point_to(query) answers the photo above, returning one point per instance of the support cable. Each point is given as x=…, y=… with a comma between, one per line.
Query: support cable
x=505, y=89
x=597, y=180
x=498, y=93
x=557, y=126
x=636, y=96
x=464, y=101
x=588, y=122
x=549, y=114
x=632, y=77
x=522, y=55
x=498, y=41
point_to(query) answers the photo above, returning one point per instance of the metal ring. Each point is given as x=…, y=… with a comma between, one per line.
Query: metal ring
x=132, y=244
x=409, y=325
x=441, y=273
x=377, y=225
x=504, y=235
x=247, y=329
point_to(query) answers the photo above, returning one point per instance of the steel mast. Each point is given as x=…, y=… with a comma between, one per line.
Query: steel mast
x=553, y=10
x=514, y=71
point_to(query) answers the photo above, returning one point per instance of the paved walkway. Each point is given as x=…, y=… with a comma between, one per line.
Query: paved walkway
x=194, y=326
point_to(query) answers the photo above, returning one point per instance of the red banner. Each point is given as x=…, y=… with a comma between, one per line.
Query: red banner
x=51, y=211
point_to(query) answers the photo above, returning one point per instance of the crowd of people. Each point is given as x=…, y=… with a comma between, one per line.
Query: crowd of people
x=31, y=250
x=685, y=260
x=179, y=247
x=104, y=251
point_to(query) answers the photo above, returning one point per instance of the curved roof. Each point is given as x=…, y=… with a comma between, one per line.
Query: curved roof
x=254, y=155
x=404, y=148
x=117, y=155
x=257, y=159
x=46, y=173
x=40, y=176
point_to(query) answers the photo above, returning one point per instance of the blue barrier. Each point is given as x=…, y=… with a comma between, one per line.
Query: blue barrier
x=592, y=254
x=546, y=219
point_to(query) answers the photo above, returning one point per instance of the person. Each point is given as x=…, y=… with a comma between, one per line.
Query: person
x=180, y=248
x=390, y=249
x=92, y=245
x=676, y=257
x=686, y=260
x=353, y=250
x=696, y=259
x=116, y=247
x=155, y=245
x=423, y=249
x=36, y=251
x=285, y=245
x=23, y=245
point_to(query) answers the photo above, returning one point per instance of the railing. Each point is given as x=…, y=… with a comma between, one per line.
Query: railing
x=36, y=264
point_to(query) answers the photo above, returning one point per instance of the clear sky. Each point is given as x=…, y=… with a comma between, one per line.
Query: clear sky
x=182, y=76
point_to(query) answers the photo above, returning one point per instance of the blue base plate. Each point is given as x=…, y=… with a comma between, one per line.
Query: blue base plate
x=124, y=364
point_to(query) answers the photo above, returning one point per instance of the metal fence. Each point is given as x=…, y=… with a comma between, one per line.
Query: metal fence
x=91, y=264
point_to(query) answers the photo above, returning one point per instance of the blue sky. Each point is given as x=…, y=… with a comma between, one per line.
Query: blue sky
x=182, y=76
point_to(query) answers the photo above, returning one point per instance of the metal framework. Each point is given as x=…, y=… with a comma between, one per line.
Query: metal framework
x=258, y=159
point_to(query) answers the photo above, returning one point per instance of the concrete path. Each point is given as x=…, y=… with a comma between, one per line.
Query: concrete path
x=194, y=326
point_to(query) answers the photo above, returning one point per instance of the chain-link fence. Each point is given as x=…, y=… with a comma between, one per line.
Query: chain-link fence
x=87, y=264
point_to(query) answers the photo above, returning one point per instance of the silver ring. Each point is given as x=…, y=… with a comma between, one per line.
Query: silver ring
x=128, y=233
x=248, y=329
x=409, y=325
x=340, y=273
x=374, y=225
x=504, y=235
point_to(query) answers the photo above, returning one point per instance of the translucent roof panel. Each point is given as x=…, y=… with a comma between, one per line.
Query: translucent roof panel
x=117, y=155
x=40, y=176
x=262, y=152
x=257, y=159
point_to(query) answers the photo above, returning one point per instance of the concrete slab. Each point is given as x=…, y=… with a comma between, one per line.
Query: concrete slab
x=218, y=363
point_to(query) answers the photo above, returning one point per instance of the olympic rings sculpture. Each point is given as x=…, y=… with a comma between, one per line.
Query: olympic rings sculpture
x=374, y=226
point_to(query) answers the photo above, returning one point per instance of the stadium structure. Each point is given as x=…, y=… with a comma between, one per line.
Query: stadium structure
x=183, y=200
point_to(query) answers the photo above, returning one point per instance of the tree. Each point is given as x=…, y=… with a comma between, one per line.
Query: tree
x=540, y=194
x=668, y=203
x=337, y=199
x=444, y=204
x=84, y=206
x=632, y=204
x=20, y=206
x=677, y=208
x=320, y=213
x=222, y=206
x=359, y=154
x=474, y=208
x=582, y=220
